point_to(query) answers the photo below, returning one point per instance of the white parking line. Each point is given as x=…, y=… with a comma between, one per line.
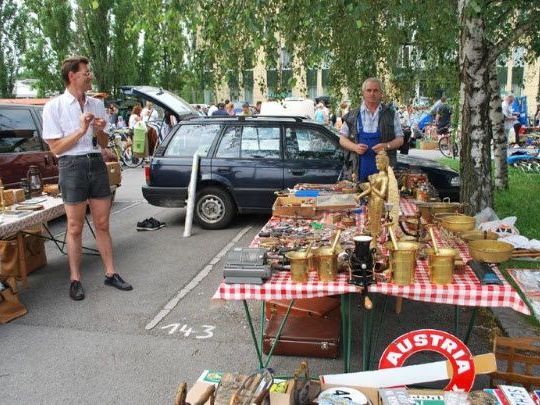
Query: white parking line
x=195, y=281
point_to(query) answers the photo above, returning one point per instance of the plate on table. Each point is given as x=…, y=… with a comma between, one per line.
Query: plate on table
x=33, y=201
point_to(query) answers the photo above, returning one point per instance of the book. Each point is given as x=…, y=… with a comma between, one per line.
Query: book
x=516, y=395
x=498, y=394
x=394, y=396
x=426, y=399
x=535, y=395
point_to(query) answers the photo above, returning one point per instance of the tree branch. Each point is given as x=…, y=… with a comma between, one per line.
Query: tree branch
x=505, y=43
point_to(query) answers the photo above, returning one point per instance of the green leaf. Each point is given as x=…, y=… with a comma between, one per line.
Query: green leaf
x=475, y=6
x=358, y=24
x=95, y=4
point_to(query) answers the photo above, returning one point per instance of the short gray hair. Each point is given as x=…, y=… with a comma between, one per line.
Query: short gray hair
x=373, y=80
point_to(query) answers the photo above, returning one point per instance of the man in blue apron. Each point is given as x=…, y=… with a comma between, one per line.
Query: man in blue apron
x=368, y=130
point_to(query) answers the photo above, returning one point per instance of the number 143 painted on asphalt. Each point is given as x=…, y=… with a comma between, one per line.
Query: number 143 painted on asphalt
x=187, y=331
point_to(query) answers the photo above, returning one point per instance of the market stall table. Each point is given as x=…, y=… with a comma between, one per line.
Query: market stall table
x=53, y=207
x=465, y=290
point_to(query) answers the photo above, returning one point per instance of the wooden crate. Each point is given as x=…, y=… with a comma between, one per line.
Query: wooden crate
x=9, y=198
x=294, y=207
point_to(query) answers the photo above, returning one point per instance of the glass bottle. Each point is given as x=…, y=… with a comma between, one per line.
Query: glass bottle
x=25, y=185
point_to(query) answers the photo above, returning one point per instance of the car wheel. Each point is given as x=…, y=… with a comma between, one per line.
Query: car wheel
x=214, y=208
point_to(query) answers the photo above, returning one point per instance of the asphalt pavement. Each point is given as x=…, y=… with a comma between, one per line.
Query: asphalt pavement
x=135, y=347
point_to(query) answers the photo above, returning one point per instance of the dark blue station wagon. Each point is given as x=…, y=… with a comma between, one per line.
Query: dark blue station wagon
x=244, y=160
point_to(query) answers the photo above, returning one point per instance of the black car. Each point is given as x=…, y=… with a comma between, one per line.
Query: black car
x=244, y=160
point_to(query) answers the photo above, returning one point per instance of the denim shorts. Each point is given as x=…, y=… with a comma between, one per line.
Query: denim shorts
x=83, y=177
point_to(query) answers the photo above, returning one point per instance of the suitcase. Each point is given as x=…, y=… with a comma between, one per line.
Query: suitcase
x=305, y=336
x=314, y=307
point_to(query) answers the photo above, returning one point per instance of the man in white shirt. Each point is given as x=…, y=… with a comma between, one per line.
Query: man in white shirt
x=509, y=118
x=73, y=127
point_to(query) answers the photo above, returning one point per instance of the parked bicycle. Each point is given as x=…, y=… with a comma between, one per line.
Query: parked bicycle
x=448, y=145
x=120, y=143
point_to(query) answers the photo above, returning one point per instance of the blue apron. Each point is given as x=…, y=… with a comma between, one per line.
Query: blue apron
x=366, y=162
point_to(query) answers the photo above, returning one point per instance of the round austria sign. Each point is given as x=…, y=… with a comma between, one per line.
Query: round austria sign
x=432, y=340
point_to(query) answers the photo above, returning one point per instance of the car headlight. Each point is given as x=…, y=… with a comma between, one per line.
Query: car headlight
x=455, y=181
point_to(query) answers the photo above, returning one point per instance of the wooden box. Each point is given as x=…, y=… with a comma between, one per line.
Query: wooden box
x=429, y=145
x=9, y=197
x=294, y=207
x=19, y=195
x=114, y=171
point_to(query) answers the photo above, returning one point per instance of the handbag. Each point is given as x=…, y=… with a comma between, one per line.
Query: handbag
x=10, y=306
x=34, y=250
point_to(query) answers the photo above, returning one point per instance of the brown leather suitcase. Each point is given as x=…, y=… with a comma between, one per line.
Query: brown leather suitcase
x=314, y=307
x=305, y=336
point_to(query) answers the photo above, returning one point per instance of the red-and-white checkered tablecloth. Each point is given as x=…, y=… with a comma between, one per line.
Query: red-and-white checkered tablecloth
x=465, y=290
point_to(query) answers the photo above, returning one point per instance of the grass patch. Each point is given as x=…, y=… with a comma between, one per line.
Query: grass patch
x=522, y=199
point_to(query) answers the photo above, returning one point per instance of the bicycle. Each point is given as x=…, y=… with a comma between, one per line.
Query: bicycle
x=120, y=144
x=447, y=146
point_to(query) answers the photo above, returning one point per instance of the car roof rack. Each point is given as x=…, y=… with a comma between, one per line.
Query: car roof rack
x=243, y=117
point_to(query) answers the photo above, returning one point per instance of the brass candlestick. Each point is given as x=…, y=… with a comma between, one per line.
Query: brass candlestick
x=2, y=202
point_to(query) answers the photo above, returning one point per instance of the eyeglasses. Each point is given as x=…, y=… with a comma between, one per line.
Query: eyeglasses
x=86, y=73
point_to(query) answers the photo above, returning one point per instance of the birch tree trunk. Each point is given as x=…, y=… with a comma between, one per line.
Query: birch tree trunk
x=500, y=145
x=475, y=158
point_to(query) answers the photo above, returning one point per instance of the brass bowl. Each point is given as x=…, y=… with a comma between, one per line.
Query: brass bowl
x=443, y=252
x=476, y=234
x=459, y=223
x=403, y=245
x=429, y=209
x=490, y=251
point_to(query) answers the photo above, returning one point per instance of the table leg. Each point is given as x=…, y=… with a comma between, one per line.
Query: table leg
x=57, y=242
x=347, y=330
x=278, y=334
x=21, y=250
x=456, y=320
x=379, y=327
x=470, y=326
x=252, y=330
x=399, y=305
x=366, y=332
x=263, y=318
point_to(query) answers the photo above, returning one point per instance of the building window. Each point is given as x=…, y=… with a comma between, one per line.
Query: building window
x=248, y=85
x=311, y=83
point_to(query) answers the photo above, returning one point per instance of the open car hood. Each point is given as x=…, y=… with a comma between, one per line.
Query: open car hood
x=163, y=98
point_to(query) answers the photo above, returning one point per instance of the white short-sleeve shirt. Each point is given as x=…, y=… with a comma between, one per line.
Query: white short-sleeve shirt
x=61, y=117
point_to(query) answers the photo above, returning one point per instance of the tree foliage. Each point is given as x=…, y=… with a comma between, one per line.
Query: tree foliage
x=12, y=41
x=50, y=38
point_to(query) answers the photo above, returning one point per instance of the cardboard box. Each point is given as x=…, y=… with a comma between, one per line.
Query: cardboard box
x=115, y=173
x=276, y=398
x=294, y=207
